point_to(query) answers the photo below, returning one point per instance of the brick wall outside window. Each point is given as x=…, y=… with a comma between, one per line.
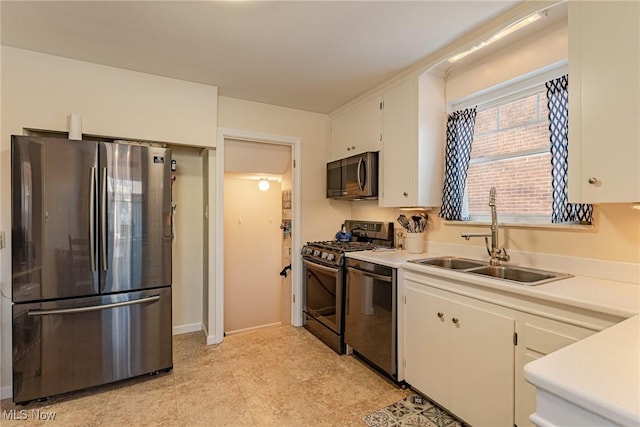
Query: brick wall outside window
x=523, y=182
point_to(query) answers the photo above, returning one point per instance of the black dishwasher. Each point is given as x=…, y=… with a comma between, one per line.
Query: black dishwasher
x=371, y=319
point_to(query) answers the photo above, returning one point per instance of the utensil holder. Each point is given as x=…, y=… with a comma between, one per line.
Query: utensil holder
x=414, y=243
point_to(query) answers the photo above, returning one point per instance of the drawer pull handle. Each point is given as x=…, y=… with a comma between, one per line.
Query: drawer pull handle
x=440, y=315
x=455, y=320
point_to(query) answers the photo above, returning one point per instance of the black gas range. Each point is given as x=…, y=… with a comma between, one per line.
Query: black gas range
x=324, y=267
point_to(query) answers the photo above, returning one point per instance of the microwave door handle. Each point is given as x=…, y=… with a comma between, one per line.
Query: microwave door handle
x=361, y=166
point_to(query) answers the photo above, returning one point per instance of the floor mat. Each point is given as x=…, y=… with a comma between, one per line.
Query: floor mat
x=414, y=411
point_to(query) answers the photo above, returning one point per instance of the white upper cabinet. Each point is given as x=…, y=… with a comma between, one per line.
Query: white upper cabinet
x=356, y=130
x=604, y=102
x=411, y=161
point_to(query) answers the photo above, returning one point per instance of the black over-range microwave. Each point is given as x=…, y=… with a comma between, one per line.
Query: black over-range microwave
x=354, y=177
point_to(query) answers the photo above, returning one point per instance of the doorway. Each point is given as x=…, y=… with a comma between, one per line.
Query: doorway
x=254, y=240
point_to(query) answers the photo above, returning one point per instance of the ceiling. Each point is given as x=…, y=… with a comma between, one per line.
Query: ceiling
x=309, y=55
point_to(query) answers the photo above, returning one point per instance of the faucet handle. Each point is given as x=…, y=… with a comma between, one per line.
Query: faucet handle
x=504, y=256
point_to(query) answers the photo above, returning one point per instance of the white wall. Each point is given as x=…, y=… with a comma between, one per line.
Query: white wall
x=39, y=91
x=524, y=56
x=187, y=286
x=252, y=260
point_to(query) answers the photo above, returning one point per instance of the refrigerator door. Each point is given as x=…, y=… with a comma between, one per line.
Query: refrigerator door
x=67, y=345
x=53, y=192
x=135, y=217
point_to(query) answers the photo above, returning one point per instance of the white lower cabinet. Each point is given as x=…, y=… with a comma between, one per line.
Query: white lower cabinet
x=460, y=352
x=538, y=337
x=466, y=347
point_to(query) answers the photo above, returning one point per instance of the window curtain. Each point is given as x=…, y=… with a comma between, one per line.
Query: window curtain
x=557, y=100
x=460, y=126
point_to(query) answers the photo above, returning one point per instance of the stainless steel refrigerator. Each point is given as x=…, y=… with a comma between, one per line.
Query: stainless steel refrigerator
x=91, y=264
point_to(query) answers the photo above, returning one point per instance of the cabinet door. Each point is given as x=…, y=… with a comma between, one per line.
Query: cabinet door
x=537, y=338
x=356, y=130
x=482, y=365
x=399, y=147
x=426, y=342
x=604, y=106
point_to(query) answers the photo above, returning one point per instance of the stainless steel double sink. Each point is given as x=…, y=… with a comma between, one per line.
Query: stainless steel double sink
x=513, y=274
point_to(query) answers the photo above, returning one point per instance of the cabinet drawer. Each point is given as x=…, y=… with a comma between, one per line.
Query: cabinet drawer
x=545, y=341
x=546, y=338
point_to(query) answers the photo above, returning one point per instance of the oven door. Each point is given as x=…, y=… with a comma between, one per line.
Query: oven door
x=324, y=292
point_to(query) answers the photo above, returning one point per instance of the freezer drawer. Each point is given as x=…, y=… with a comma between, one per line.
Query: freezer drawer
x=62, y=346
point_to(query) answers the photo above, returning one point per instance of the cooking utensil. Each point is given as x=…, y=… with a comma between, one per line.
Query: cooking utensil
x=424, y=219
x=416, y=223
x=404, y=222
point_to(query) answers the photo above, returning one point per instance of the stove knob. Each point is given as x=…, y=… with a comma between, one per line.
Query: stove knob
x=331, y=257
x=316, y=253
x=325, y=255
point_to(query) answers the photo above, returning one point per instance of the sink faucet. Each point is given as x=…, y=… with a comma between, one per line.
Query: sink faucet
x=496, y=253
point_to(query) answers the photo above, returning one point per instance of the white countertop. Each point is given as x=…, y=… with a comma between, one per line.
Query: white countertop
x=600, y=373
x=600, y=295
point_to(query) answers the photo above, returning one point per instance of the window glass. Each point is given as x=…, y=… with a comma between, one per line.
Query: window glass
x=511, y=151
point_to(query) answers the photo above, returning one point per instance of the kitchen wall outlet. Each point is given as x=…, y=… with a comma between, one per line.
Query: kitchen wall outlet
x=2, y=243
x=288, y=251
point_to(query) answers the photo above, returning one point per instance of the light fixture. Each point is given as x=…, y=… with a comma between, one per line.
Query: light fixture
x=263, y=184
x=497, y=36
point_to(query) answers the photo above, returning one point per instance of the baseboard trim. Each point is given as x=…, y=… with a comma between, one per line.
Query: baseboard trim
x=6, y=392
x=185, y=329
x=254, y=328
x=211, y=339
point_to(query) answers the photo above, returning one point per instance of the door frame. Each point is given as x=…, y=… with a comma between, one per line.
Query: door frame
x=216, y=289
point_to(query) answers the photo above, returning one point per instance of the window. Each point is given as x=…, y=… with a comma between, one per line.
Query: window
x=504, y=138
x=511, y=151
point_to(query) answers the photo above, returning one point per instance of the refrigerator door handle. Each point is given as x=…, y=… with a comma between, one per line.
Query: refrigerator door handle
x=103, y=220
x=32, y=313
x=92, y=220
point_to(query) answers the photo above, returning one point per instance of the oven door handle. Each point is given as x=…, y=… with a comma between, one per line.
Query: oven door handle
x=320, y=267
x=371, y=275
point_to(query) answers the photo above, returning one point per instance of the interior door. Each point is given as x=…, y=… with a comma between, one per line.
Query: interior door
x=135, y=217
x=53, y=192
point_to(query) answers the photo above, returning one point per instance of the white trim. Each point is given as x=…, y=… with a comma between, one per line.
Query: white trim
x=526, y=221
x=512, y=87
x=6, y=392
x=511, y=155
x=217, y=288
x=254, y=328
x=188, y=328
x=210, y=339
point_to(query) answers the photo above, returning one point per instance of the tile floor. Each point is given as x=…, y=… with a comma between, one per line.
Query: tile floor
x=273, y=377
